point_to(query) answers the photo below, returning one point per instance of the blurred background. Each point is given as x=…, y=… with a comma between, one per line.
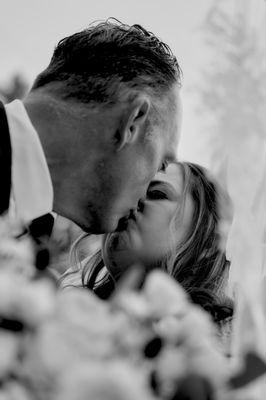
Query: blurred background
x=220, y=45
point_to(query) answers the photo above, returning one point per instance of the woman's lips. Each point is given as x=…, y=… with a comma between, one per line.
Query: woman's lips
x=124, y=221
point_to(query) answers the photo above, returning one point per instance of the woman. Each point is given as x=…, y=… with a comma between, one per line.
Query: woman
x=175, y=229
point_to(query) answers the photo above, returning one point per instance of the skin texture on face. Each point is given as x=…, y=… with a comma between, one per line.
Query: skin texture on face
x=157, y=229
x=123, y=176
x=100, y=159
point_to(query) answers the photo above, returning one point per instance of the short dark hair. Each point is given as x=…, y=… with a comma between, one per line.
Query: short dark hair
x=93, y=64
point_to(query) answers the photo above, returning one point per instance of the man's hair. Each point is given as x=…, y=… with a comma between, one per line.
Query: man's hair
x=94, y=65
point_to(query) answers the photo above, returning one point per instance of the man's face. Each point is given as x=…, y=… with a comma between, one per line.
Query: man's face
x=123, y=179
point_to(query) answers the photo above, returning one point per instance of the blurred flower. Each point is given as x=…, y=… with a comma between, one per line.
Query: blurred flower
x=9, y=345
x=164, y=295
x=71, y=345
x=103, y=381
x=25, y=301
x=16, y=255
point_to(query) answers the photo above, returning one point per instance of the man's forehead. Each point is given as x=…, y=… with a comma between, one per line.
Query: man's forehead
x=172, y=145
x=174, y=124
x=170, y=111
x=174, y=103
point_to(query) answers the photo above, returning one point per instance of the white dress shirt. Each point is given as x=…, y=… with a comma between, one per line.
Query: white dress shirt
x=31, y=185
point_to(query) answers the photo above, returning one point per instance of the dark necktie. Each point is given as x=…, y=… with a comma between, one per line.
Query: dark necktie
x=5, y=161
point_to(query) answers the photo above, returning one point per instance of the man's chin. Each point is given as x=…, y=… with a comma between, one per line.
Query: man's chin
x=99, y=223
x=92, y=228
x=100, y=227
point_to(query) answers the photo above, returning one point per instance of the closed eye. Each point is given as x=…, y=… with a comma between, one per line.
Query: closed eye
x=156, y=195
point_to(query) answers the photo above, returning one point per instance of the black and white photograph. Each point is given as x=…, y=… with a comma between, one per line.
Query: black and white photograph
x=133, y=200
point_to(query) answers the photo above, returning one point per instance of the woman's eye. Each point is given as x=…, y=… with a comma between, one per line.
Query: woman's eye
x=156, y=195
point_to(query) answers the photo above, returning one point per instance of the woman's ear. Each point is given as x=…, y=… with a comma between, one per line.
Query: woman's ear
x=133, y=120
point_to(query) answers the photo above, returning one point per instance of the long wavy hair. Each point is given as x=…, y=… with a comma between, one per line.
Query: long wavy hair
x=198, y=263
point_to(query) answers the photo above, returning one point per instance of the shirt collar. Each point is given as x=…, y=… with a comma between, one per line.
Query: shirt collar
x=31, y=181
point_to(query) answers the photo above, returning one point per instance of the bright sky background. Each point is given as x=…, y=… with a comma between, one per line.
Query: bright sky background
x=29, y=30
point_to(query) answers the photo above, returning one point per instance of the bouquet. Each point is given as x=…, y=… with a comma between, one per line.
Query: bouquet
x=143, y=344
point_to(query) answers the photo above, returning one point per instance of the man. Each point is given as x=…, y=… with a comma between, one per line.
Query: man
x=98, y=123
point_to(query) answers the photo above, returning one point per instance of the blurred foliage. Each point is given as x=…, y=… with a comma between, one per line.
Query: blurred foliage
x=16, y=88
x=232, y=93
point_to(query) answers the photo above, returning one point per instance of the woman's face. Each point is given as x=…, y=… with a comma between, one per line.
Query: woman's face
x=159, y=226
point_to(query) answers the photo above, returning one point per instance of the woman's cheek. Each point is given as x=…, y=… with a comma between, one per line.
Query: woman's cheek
x=137, y=241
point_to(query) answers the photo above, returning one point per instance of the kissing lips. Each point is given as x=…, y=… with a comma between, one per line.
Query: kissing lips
x=124, y=221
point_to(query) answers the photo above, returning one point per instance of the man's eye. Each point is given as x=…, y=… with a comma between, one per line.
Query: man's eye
x=156, y=195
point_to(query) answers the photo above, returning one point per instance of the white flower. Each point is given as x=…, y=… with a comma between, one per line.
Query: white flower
x=26, y=301
x=13, y=390
x=74, y=346
x=133, y=303
x=9, y=348
x=165, y=296
x=16, y=255
x=103, y=381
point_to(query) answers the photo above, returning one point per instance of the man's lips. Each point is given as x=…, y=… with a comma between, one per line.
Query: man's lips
x=123, y=222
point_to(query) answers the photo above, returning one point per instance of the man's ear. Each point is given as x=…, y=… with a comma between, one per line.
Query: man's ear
x=134, y=118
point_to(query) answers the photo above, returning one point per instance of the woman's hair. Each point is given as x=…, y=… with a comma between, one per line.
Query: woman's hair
x=198, y=263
